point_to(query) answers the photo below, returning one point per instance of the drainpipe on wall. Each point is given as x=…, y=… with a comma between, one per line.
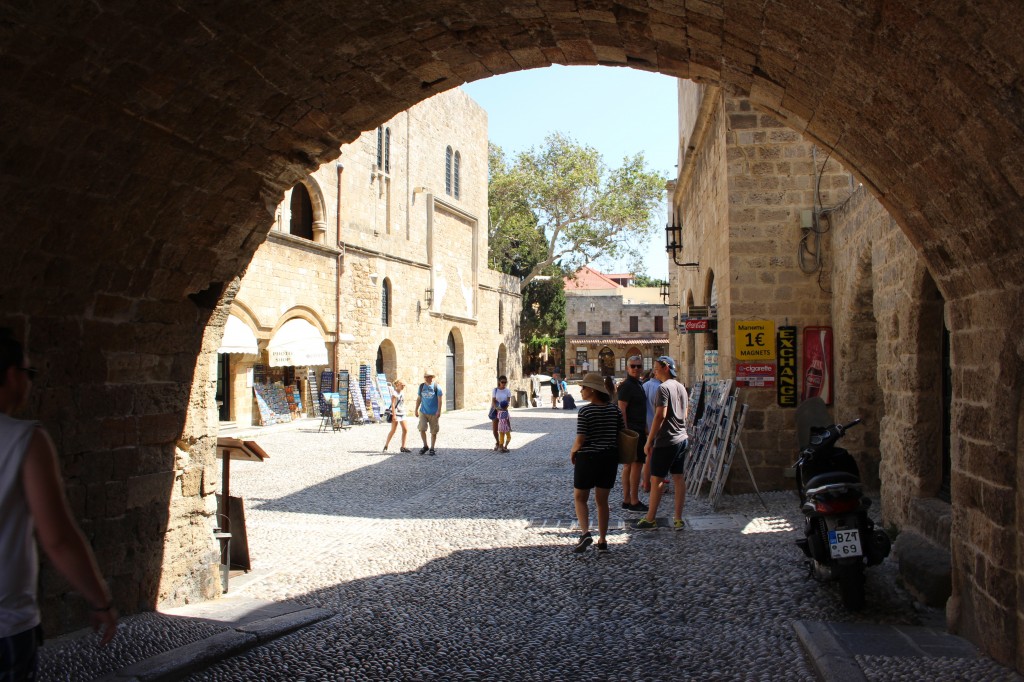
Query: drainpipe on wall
x=339, y=269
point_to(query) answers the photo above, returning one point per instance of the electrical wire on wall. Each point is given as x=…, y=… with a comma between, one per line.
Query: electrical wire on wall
x=809, y=252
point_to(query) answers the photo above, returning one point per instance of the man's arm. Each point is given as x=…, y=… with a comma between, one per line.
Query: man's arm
x=622, y=408
x=59, y=535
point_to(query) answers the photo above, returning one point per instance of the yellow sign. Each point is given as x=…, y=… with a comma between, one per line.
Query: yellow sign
x=755, y=340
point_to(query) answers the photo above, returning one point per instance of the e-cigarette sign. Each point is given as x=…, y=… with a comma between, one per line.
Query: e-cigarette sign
x=785, y=389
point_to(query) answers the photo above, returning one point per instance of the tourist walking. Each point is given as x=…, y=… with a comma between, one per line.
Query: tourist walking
x=397, y=414
x=504, y=426
x=632, y=401
x=34, y=508
x=594, y=455
x=556, y=390
x=666, y=443
x=500, y=393
x=428, y=409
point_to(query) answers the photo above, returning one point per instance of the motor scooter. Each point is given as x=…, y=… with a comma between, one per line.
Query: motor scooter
x=840, y=539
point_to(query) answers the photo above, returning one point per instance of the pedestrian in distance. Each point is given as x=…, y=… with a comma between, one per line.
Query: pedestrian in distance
x=397, y=414
x=666, y=443
x=428, y=410
x=504, y=426
x=633, y=402
x=34, y=509
x=500, y=393
x=556, y=390
x=594, y=455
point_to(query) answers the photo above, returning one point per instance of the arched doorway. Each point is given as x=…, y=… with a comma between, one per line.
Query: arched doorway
x=387, y=360
x=450, y=364
x=606, y=361
x=502, y=364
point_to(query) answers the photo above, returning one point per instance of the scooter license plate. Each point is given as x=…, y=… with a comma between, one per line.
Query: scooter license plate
x=844, y=543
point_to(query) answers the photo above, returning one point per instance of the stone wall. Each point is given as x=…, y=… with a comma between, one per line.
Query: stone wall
x=399, y=230
x=741, y=197
x=142, y=174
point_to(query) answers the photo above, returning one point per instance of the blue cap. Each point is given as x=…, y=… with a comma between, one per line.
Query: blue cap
x=668, y=362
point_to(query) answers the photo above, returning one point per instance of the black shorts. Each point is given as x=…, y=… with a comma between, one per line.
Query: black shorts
x=669, y=459
x=595, y=470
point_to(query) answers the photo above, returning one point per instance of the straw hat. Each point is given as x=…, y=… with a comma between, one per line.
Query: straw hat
x=594, y=381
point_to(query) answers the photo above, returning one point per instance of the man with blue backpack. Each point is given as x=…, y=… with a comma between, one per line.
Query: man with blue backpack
x=428, y=409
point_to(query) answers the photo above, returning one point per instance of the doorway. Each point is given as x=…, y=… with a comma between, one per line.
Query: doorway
x=223, y=387
x=449, y=375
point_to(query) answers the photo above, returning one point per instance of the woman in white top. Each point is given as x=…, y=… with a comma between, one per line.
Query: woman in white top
x=502, y=392
x=397, y=414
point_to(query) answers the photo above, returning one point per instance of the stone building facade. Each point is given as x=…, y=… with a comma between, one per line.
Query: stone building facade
x=148, y=178
x=382, y=256
x=607, y=323
x=743, y=193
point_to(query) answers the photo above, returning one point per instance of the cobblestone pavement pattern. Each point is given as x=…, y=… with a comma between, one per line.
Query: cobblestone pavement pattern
x=437, y=568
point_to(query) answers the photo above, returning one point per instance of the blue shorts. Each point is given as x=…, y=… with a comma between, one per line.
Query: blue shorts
x=670, y=459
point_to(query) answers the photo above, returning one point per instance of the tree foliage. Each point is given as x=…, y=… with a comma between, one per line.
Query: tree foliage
x=642, y=280
x=543, y=317
x=560, y=205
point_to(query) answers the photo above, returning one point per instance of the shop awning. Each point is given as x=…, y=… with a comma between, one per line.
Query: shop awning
x=238, y=338
x=655, y=339
x=297, y=343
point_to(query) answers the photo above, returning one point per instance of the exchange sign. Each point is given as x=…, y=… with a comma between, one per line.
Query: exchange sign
x=755, y=340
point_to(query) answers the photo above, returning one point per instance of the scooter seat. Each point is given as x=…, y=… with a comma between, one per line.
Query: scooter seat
x=830, y=478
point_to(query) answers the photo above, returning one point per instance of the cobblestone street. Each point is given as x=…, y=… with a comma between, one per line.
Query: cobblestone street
x=458, y=567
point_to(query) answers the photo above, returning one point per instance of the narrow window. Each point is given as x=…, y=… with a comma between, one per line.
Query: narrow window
x=380, y=147
x=606, y=328
x=385, y=304
x=387, y=150
x=581, y=328
x=448, y=171
x=634, y=323
x=659, y=323
x=301, y=207
x=455, y=173
x=501, y=317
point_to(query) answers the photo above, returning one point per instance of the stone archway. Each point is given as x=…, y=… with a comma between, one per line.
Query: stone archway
x=148, y=178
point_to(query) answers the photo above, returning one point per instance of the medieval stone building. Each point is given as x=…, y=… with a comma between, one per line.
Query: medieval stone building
x=783, y=234
x=380, y=259
x=608, y=322
x=148, y=145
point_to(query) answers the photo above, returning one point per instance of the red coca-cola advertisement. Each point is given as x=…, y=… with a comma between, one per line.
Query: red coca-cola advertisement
x=817, y=367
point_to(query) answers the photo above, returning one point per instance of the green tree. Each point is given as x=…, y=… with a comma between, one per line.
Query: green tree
x=642, y=280
x=543, y=318
x=561, y=205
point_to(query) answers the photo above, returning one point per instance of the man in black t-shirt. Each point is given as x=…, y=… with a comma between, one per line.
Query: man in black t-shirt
x=632, y=403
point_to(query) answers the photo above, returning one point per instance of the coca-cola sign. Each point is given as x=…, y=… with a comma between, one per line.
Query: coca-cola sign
x=697, y=325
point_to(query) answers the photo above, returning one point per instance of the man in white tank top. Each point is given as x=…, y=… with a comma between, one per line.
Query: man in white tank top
x=32, y=500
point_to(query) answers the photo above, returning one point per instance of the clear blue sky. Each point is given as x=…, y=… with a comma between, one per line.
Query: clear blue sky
x=618, y=111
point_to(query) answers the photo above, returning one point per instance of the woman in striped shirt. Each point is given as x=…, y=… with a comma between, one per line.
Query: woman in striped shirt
x=594, y=455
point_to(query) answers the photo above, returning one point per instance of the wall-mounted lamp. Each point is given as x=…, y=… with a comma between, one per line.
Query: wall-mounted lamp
x=674, y=245
x=665, y=293
x=428, y=295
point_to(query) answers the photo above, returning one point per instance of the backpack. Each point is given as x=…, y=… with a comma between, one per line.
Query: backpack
x=568, y=402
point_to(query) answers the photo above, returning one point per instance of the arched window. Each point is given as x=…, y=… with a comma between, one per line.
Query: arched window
x=455, y=173
x=380, y=146
x=448, y=171
x=387, y=150
x=385, y=303
x=301, y=224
